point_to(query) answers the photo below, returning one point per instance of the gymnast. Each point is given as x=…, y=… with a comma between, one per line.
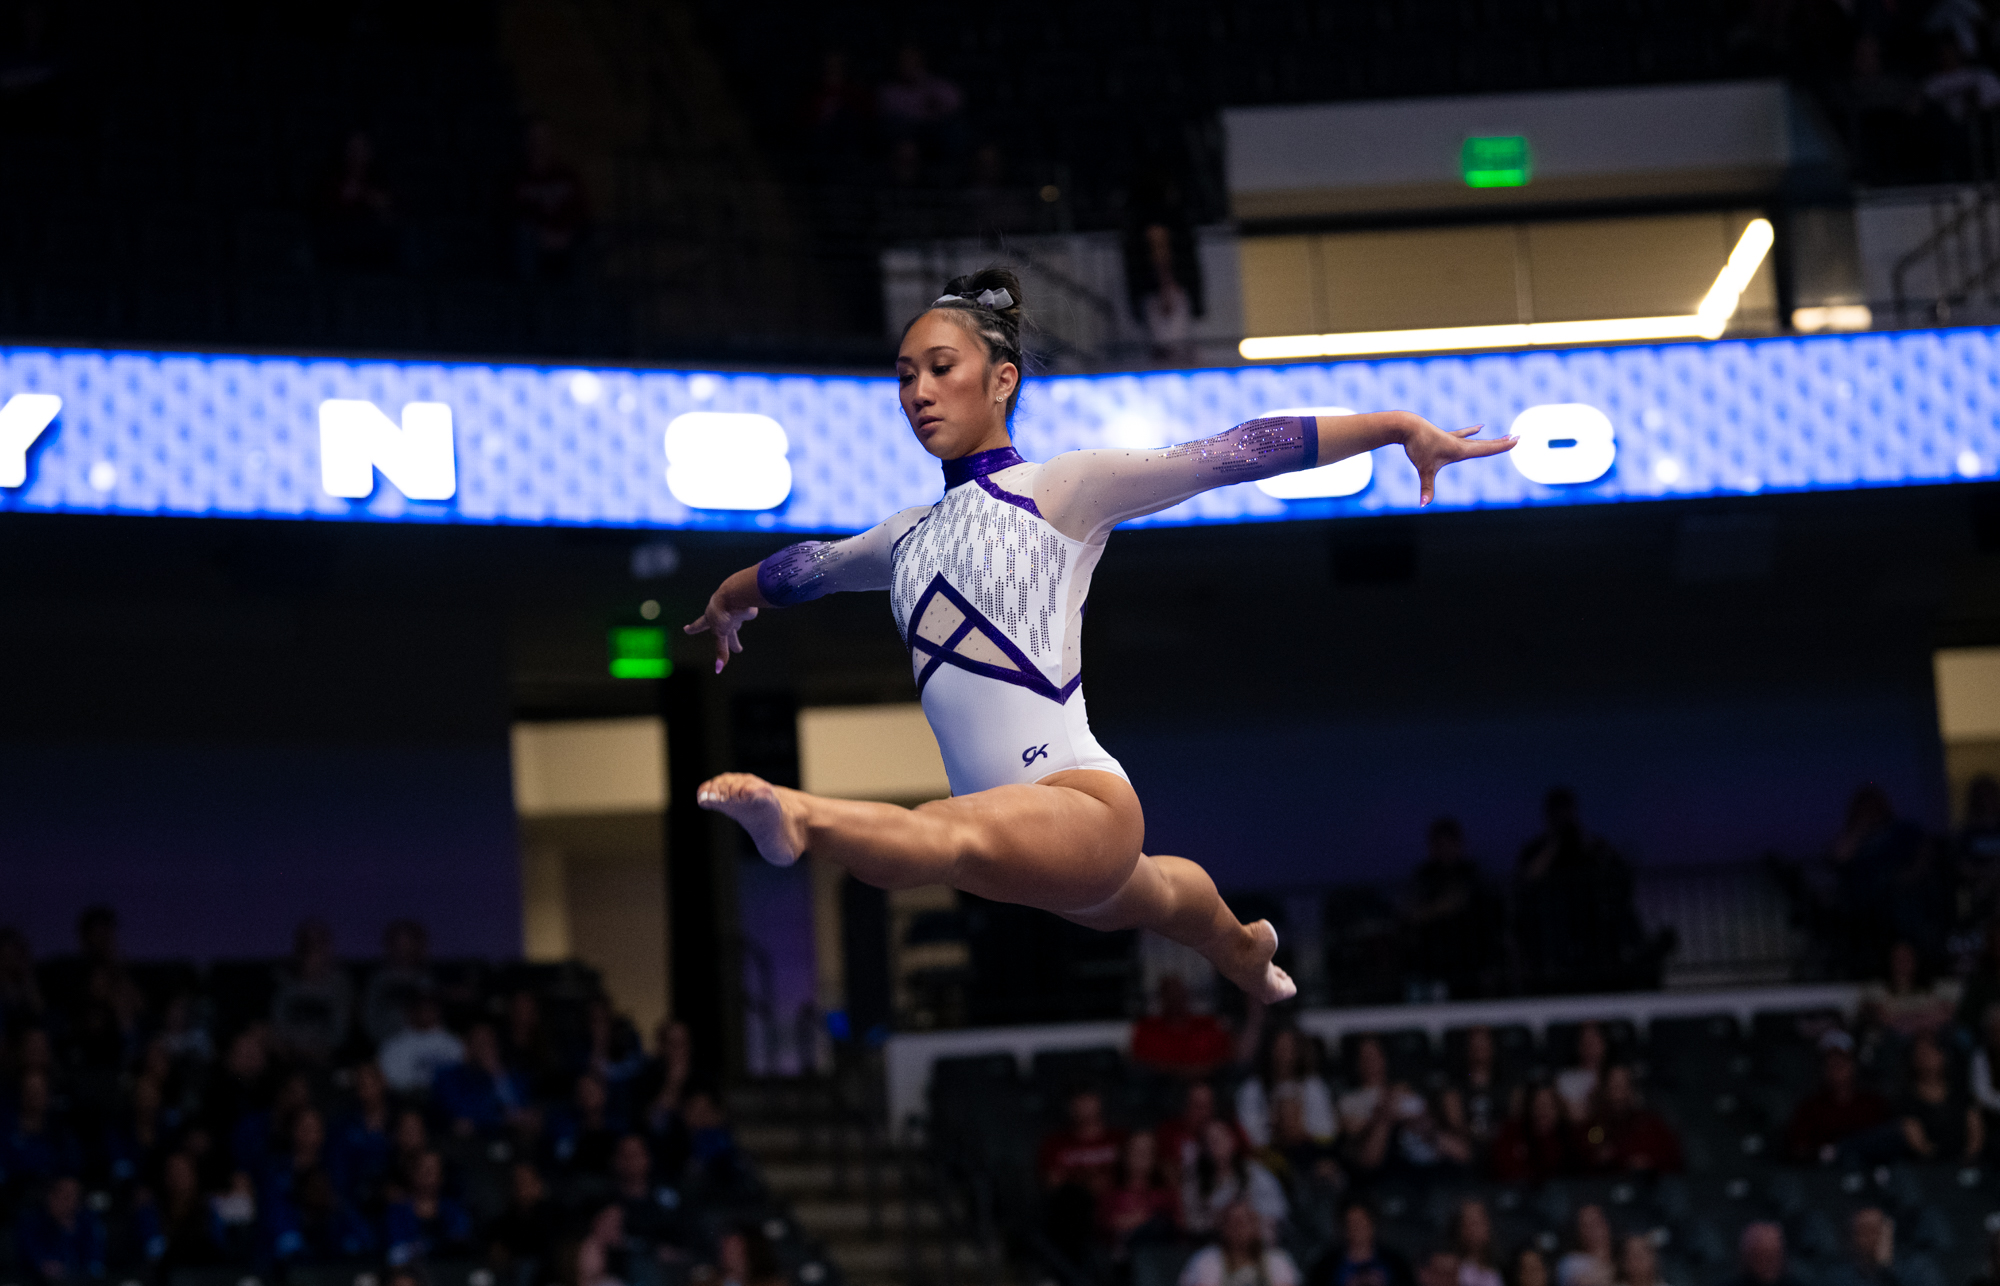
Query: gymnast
x=988, y=588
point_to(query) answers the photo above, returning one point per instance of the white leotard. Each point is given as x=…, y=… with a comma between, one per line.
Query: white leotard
x=988, y=586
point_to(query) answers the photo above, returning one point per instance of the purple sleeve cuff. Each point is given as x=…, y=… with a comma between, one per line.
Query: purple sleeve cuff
x=795, y=574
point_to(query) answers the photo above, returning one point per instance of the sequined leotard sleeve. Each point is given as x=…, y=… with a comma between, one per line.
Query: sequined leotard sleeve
x=812, y=568
x=1087, y=493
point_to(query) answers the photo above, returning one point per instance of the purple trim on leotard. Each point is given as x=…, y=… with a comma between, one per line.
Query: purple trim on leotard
x=993, y=489
x=1028, y=675
x=977, y=465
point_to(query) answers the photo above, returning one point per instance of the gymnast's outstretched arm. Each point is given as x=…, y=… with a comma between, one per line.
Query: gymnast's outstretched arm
x=800, y=573
x=1087, y=493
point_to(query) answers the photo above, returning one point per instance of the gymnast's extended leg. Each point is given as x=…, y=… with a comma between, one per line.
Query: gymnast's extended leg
x=1069, y=844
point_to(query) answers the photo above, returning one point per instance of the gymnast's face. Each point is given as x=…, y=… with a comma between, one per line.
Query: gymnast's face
x=954, y=398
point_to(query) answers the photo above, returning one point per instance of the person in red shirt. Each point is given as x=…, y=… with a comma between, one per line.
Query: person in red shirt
x=1535, y=1144
x=1077, y=1164
x=1840, y=1113
x=1179, y=1041
x=1624, y=1136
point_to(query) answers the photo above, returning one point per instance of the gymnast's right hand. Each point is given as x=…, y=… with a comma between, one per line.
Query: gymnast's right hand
x=724, y=619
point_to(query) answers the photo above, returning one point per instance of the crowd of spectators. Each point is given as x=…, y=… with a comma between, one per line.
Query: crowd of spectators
x=1273, y=1169
x=1911, y=86
x=385, y=1119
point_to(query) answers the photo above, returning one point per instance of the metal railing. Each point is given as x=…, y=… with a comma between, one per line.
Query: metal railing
x=1962, y=255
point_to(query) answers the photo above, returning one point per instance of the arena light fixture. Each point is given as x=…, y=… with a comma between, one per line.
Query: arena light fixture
x=1708, y=321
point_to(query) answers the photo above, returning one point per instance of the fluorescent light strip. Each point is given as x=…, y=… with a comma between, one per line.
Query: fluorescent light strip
x=1707, y=322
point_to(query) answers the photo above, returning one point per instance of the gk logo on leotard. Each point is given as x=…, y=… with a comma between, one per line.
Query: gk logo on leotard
x=1032, y=753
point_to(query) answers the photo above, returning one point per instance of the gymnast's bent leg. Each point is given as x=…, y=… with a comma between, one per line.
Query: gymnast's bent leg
x=1068, y=844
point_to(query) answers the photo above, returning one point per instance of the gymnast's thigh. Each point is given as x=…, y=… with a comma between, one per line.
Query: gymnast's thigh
x=1069, y=841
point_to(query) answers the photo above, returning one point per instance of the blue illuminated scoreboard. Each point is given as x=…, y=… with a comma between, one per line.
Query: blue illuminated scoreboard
x=86, y=431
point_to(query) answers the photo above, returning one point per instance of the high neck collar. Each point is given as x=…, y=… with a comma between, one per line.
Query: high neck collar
x=977, y=465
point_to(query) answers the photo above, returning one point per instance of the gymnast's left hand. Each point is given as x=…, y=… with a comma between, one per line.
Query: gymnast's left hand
x=1431, y=449
x=724, y=619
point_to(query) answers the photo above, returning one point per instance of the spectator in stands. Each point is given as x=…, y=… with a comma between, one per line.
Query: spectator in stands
x=403, y=976
x=1387, y=1123
x=1164, y=279
x=712, y=1153
x=551, y=209
x=1976, y=856
x=426, y=1223
x=1985, y=1084
x=521, y=1243
x=1956, y=93
x=1638, y=1261
x=35, y=1144
x=1529, y=1268
x=1576, y=921
x=527, y=1047
x=1981, y=990
x=1438, y=1268
x=582, y=1138
x=314, y=1001
x=1589, y=1260
x=1624, y=1136
x=61, y=1239
x=1872, y=1257
x=835, y=117
x=1180, y=1136
x=361, y=1144
x=919, y=106
x=1886, y=884
x=233, y=1219
x=357, y=213
x=20, y=991
x=745, y=1257
x=611, y=1049
x=1841, y=1113
x=411, y=1059
x=481, y=1095
x=1536, y=1144
x=651, y=1210
x=1473, y=1243
x=176, y=1229
x=1474, y=1102
x=1306, y=1163
x=1939, y=1121
x=132, y=1141
x=1140, y=1205
x=1241, y=1253
x=314, y=1223
x=1177, y=1040
x=409, y=1139
x=1360, y=1259
x=1078, y=1164
x=664, y=1081
x=1905, y=1004
x=1282, y=1072
x=1454, y=910
x=1225, y=1172
x=1762, y=1255
x=994, y=203
x=305, y=1154
x=1577, y=1083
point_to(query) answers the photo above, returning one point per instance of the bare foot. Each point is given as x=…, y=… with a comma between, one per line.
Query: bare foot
x=1247, y=963
x=777, y=826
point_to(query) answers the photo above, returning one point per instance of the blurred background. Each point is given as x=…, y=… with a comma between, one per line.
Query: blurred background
x=1639, y=863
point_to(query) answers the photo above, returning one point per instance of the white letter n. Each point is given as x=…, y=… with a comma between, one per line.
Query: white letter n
x=355, y=439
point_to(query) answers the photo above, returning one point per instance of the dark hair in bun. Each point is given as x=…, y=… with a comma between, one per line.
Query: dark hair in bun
x=999, y=329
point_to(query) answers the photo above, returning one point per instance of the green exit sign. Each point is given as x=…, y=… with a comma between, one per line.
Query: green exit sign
x=1495, y=162
x=639, y=652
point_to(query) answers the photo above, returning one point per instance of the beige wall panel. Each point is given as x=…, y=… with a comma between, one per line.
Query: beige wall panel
x=1280, y=286
x=881, y=752
x=590, y=766
x=1649, y=267
x=544, y=902
x=1964, y=760
x=1420, y=277
x=615, y=899
x=1968, y=693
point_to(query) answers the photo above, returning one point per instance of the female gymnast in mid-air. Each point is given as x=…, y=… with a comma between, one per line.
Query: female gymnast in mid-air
x=988, y=587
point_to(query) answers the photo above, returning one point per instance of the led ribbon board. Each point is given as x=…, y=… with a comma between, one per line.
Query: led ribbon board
x=222, y=436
